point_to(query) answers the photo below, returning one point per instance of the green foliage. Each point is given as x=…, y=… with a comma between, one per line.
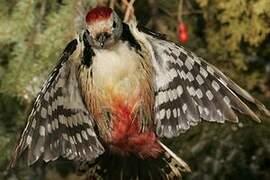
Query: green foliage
x=36, y=37
x=232, y=34
x=237, y=31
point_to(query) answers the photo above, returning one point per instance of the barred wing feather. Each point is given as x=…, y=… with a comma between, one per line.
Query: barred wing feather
x=60, y=124
x=189, y=89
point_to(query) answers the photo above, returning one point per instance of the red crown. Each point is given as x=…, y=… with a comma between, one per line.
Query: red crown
x=98, y=13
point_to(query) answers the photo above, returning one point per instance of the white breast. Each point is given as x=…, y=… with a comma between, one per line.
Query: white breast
x=116, y=70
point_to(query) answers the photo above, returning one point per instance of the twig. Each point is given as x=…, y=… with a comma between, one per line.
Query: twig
x=112, y=2
x=180, y=10
x=129, y=9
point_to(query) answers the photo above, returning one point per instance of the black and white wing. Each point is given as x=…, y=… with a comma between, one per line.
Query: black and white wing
x=189, y=89
x=60, y=124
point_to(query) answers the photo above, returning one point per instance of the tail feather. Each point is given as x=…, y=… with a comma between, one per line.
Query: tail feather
x=174, y=159
x=114, y=167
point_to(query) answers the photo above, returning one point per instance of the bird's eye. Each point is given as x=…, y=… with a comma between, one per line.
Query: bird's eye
x=114, y=24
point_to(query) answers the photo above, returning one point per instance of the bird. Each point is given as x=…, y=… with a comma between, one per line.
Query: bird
x=116, y=92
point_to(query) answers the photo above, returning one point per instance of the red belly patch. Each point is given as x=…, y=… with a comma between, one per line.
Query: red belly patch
x=126, y=135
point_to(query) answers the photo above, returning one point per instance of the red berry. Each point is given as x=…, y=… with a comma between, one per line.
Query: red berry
x=183, y=37
x=182, y=32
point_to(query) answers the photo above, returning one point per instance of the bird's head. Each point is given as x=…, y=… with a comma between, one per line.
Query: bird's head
x=104, y=27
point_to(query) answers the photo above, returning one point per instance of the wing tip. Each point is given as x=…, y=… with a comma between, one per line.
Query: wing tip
x=262, y=108
x=12, y=164
x=15, y=155
x=256, y=119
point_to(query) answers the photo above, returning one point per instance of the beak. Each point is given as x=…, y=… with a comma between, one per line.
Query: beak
x=102, y=38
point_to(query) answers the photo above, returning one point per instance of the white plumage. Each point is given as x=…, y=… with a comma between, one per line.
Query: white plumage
x=117, y=69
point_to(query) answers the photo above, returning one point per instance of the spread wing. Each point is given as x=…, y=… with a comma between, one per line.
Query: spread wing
x=189, y=89
x=60, y=124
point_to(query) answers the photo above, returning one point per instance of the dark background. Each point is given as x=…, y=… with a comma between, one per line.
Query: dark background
x=234, y=35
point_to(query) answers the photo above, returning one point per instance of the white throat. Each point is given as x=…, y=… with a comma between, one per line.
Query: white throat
x=116, y=70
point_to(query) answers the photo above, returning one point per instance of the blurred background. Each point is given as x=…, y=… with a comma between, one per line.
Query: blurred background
x=234, y=35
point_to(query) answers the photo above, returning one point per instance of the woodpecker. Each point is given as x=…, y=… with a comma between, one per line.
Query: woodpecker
x=116, y=91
